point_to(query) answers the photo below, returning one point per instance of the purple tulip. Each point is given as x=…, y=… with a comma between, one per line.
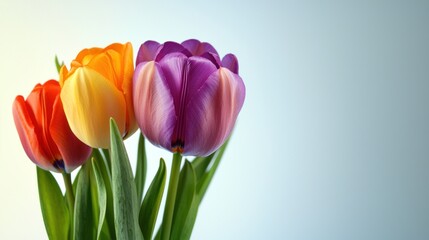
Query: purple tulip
x=185, y=98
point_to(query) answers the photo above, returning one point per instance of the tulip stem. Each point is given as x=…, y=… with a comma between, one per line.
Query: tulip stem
x=171, y=196
x=69, y=191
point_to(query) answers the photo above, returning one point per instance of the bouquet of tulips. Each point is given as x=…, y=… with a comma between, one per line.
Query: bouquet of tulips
x=183, y=98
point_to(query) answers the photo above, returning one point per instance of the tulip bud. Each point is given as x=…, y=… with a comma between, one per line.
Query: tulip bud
x=44, y=131
x=185, y=98
x=98, y=86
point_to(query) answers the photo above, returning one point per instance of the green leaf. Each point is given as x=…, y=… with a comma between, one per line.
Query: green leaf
x=76, y=180
x=207, y=177
x=201, y=164
x=185, y=199
x=54, y=208
x=141, y=168
x=102, y=196
x=125, y=204
x=158, y=233
x=203, y=179
x=104, y=171
x=203, y=176
x=84, y=221
x=57, y=64
x=150, y=207
x=106, y=158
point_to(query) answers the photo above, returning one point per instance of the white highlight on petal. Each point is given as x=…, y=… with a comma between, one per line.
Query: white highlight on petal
x=153, y=104
x=212, y=113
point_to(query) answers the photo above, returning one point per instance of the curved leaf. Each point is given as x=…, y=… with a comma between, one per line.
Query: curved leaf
x=200, y=165
x=102, y=196
x=206, y=178
x=54, y=208
x=83, y=212
x=102, y=165
x=150, y=207
x=125, y=206
x=185, y=199
x=141, y=168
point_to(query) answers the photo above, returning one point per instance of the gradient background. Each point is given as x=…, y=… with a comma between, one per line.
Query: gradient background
x=333, y=139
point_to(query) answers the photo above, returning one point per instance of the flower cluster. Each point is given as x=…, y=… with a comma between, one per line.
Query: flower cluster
x=183, y=97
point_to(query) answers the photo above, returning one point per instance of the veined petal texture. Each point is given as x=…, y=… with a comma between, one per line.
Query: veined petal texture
x=187, y=99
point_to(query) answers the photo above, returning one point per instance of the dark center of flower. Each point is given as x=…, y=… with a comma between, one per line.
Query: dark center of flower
x=59, y=164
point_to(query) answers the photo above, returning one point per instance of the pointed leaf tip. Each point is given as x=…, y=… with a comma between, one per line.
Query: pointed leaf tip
x=152, y=201
x=125, y=204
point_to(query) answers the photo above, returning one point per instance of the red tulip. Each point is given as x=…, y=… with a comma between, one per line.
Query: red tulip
x=44, y=131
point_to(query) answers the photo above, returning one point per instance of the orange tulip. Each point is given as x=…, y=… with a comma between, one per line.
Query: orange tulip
x=98, y=86
x=44, y=131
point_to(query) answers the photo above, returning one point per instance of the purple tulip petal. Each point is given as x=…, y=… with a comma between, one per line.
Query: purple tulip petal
x=147, y=51
x=172, y=68
x=214, y=58
x=198, y=48
x=153, y=103
x=196, y=70
x=184, y=76
x=230, y=61
x=171, y=47
x=212, y=112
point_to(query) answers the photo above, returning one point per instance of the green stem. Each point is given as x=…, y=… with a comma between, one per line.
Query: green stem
x=69, y=191
x=171, y=196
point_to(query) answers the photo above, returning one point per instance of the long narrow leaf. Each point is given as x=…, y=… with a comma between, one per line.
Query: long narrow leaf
x=150, y=207
x=141, y=168
x=54, y=208
x=106, y=158
x=200, y=165
x=205, y=180
x=102, y=196
x=105, y=174
x=186, y=196
x=84, y=221
x=125, y=204
x=76, y=180
x=190, y=220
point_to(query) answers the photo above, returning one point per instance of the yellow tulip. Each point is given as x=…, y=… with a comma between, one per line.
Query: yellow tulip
x=98, y=86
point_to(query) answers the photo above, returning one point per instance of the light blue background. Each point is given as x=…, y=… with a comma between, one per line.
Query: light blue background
x=333, y=139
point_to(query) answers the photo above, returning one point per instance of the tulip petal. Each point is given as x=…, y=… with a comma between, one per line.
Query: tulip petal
x=127, y=89
x=64, y=138
x=211, y=113
x=89, y=101
x=198, y=71
x=147, y=51
x=178, y=68
x=121, y=62
x=103, y=64
x=171, y=47
x=28, y=132
x=214, y=58
x=198, y=48
x=86, y=55
x=184, y=77
x=172, y=69
x=40, y=101
x=230, y=61
x=153, y=104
